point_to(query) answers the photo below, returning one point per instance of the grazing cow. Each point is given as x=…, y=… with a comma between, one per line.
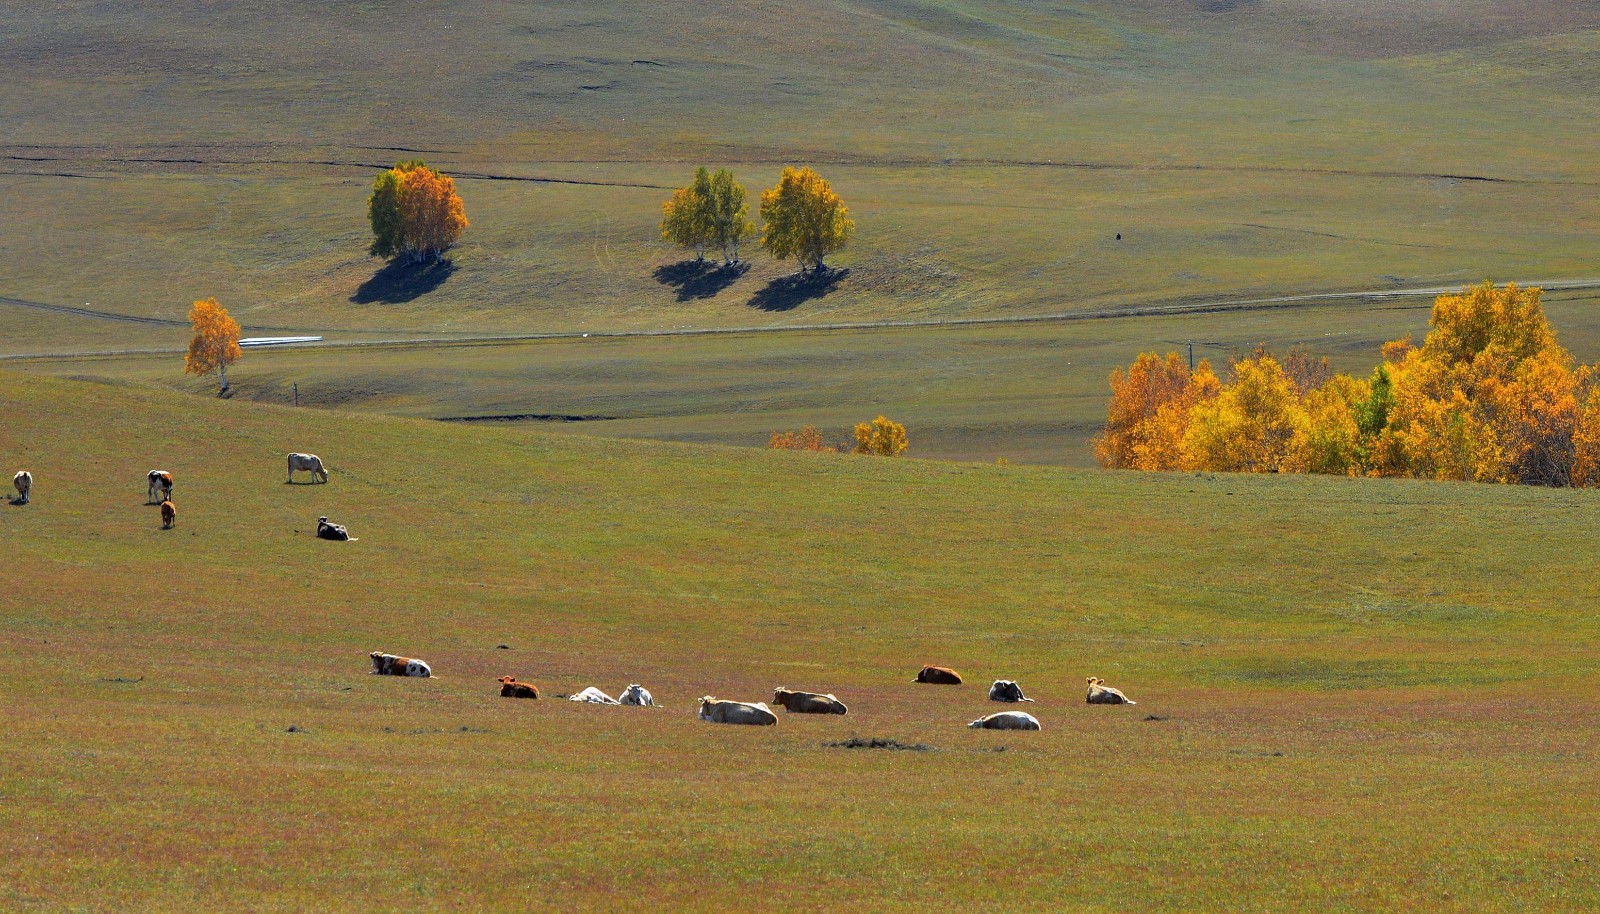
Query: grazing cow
x=169, y=515
x=160, y=482
x=939, y=675
x=736, y=712
x=1006, y=690
x=511, y=688
x=1102, y=694
x=390, y=665
x=638, y=696
x=1007, y=720
x=807, y=702
x=310, y=462
x=24, y=483
x=593, y=696
x=336, y=532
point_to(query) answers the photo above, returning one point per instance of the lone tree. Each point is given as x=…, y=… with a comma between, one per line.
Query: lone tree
x=804, y=219
x=415, y=213
x=216, y=341
x=883, y=437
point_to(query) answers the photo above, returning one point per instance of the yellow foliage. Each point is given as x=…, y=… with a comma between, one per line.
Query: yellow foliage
x=882, y=437
x=1250, y=426
x=215, y=345
x=804, y=218
x=806, y=439
x=1149, y=412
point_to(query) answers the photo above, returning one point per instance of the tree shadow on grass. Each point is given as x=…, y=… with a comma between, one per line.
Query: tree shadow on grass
x=789, y=292
x=401, y=281
x=699, y=278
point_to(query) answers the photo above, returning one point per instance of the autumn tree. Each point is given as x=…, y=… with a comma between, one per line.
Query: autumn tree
x=686, y=217
x=882, y=437
x=803, y=218
x=415, y=213
x=1149, y=412
x=729, y=215
x=1250, y=426
x=215, y=345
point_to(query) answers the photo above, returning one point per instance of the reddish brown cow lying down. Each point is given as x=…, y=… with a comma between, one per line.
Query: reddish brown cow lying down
x=939, y=675
x=511, y=688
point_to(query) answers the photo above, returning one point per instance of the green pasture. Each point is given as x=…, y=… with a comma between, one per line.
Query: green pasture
x=1353, y=695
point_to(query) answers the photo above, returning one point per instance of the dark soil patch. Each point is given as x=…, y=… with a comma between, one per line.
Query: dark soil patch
x=856, y=742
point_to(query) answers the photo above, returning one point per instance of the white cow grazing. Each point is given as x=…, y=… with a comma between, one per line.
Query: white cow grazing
x=638, y=696
x=593, y=696
x=310, y=462
x=160, y=482
x=1007, y=720
x=24, y=483
x=736, y=712
x=1006, y=690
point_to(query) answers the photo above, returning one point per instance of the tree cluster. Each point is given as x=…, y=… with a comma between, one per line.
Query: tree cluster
x=415, y=213
x=802, y=217
x=1488, y=396
x=882, y=437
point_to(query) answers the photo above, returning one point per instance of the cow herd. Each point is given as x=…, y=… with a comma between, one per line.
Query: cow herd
x=710, y=708
x=757, y=713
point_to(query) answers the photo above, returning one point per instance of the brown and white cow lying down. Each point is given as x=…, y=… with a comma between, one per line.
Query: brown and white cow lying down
x=939, y=675
x=1007, y=720
x=511, y=688
x=1102, y=694
x=807, y=702
x=24, y=484
x=160, y=482
x=169, y=515
x=736, y=712
x=390, y=665
x=1006, y=690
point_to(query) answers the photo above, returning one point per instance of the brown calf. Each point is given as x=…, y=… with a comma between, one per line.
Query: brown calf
x=938, y=675
x=511, y=688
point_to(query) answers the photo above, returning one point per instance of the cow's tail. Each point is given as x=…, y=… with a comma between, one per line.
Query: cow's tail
x=1024, y=699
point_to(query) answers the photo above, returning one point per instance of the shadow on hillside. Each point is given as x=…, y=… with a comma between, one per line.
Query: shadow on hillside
x=788, y=292
x=401, y=281
x=699, y=278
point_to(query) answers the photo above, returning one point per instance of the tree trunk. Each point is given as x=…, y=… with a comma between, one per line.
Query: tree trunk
x=223, y=368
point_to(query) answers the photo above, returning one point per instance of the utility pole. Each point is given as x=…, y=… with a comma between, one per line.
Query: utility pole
x=1191, y=356
x=297, y=383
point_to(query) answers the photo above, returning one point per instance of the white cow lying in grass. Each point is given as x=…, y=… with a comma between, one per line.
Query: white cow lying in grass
x=1102, y=694
x=736, y=712
x=1007, y=720
x=638, y=696
x=593, y=696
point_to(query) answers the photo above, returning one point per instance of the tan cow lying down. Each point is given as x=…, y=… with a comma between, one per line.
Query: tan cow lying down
x=390, y=665
x=24, y=483
x=938, y=674
x=1007, y=720
x=736, y=712
x=593, y=696
x=511, y=688
x=807, y=702
x=1102, y=694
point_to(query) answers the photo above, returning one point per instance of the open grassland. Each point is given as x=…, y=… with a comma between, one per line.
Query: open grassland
x=1031, y=392
x=1354, y=695
x=990, y=151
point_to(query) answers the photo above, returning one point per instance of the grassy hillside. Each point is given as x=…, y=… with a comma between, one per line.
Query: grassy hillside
x=990, y=151
x=1353, y=694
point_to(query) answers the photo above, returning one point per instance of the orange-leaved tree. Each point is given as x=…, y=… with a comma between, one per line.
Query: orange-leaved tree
x=882, y=437
x=215, y=345
x=804, y=219
x=1149, y=411
x=806, y=439
x=415, y=212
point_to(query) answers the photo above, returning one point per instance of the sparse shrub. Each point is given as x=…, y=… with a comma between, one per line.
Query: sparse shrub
x=882, y=437
x=806, y=439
